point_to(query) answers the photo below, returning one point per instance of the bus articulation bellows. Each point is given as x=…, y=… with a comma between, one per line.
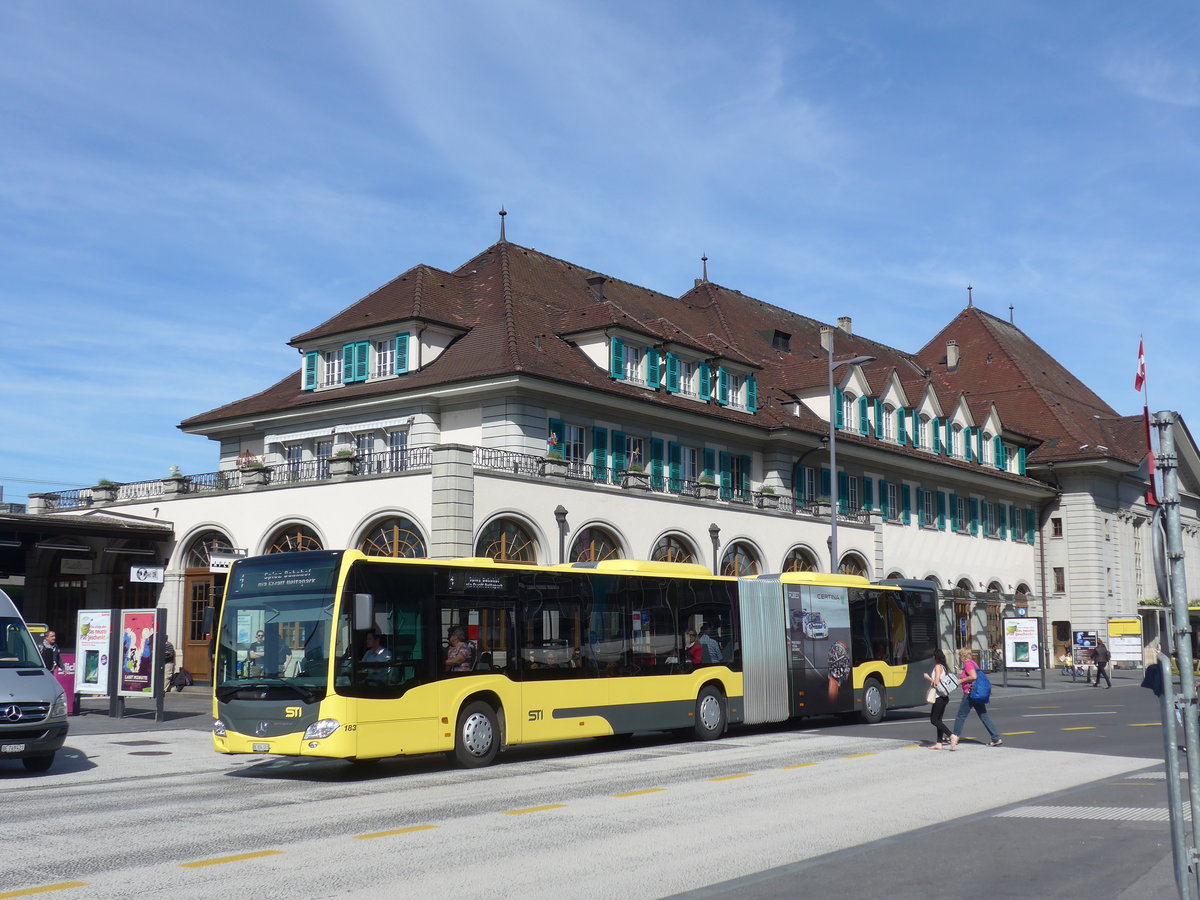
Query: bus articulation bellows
x=340, y=655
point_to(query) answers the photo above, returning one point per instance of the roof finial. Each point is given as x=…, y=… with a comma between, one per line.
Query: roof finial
x=970, y=302
x=704, y=262
x=1010, y=315
x=502, y=215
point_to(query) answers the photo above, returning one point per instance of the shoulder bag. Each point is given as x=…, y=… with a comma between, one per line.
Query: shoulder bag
x=948, y=682
x=981, y=688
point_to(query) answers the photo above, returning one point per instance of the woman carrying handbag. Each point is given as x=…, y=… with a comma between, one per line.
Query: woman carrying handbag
x=939, y=696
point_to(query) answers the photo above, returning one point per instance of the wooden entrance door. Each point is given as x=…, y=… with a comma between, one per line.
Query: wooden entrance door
x=204, y=589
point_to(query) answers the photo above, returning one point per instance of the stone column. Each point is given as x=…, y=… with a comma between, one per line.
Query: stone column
x=452, y=520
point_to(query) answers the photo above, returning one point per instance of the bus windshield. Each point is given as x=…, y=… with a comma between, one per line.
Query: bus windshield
x=277, y=626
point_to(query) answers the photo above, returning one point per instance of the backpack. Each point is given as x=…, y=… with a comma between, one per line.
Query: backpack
x=981, y=689
x=169, y=652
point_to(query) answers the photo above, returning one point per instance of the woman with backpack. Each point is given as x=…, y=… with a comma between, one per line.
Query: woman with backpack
x=936, y=680
x=974, y=685
x=1101, y=657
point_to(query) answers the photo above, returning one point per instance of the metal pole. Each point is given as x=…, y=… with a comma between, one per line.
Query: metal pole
x=833, y=473
x=1169, y=467
x=1179, y=851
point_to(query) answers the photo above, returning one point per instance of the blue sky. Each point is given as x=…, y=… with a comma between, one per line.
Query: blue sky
x=187, y=185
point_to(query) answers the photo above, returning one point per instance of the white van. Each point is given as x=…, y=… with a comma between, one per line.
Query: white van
x=33, y=705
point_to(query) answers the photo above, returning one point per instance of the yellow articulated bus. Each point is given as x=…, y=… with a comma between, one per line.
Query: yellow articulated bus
x=337, y=654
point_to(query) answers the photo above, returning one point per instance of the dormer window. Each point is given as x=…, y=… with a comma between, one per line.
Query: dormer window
x=889, y=422
x=782, y=342
x=385, y=358
x=954, y=441
x=633, y=364
x=686, y=377
x=333, y=367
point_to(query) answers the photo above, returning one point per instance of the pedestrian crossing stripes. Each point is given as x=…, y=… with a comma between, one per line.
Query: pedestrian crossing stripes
x=1091, y=813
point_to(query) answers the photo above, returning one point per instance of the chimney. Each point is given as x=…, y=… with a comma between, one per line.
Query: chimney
x=845, y=324
x=826, y=338
x=596, y=283
x=951, y=355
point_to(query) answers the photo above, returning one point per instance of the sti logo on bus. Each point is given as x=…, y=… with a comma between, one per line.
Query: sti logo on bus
x=535, y=715
x=292, y=712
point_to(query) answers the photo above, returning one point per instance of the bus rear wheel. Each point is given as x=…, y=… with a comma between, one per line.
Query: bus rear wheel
x=874, y=706
x=710, y=714
x=477, y=738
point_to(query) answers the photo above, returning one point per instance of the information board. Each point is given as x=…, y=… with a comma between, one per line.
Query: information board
x=1022, y=643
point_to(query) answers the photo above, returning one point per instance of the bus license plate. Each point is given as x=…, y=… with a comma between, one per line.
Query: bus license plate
x=262, y=748
x=11, y=748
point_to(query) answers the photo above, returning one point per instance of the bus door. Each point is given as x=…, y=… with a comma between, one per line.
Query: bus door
x=819, y=647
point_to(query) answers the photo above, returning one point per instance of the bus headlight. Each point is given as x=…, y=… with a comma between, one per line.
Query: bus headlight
x=322, y=728
x=59, y=709
x=218, y=728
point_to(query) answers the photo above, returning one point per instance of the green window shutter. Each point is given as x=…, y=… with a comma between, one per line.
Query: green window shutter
x=921, y=508
x=979, y=444
x=914, y=433
x=941, y=510
x=879, y=419
x=966, y=436
x=954, y=523
x=618, y=454
x=998, y=451
x=838, y=417
x=843, y=492
x=937, y=435
x=868, y=493
x=973, y=509
x=722, y=386
x=402, y=353
x=555, y=435
x=825, y=486
x=705, y=381
x=1020, y=460
x=672, y=373
x=311, y=361
x=901, y=431
x=752, y=394
x=656, y=464
x=864, y=424
x=905, y=503
x=1003, y=511
x=653, y=376
x=600, y=454
x=674, y=467
x=726, y=479
x=745, y=486
x=1030, y=527
x=362, y=363
x=347, y=363
x=616, y=358
x=710, y=464
x=883, y=499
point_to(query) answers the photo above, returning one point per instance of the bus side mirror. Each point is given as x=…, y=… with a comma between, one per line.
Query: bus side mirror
x=364, y=608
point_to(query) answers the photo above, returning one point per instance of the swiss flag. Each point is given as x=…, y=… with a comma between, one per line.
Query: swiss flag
x=1140, y=378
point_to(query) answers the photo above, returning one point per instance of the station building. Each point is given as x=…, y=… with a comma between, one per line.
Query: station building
x=526, y=408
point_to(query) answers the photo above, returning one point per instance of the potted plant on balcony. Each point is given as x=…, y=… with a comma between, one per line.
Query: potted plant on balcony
x=105, y=491
x=635, y=478
x=343, y=461
x=553, y=465
x=176, y=483
x=706, y=488
x=254, y=471
x=767, y=498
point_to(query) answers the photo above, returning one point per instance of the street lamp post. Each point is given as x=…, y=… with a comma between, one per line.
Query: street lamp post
x=827, y=340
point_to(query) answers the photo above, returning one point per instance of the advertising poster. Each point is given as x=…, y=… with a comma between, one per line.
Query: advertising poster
x=1022, y=643
x=1083, y=644
x=1125, y=640
x=819, y=641
x=137, y=651
x=92, y=633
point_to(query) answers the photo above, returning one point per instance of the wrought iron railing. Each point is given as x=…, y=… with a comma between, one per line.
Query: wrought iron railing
x=508, y=461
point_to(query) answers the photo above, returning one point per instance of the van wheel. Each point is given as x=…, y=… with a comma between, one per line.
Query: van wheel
x=874, y=707
x=38, y=763
x=477, y=739
x=710, y=714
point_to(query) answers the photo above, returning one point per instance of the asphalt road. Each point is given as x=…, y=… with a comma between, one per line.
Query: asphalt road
x=1072, y=806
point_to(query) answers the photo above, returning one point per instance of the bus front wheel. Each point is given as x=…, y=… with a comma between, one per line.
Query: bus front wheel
x=477, y=739
x=710, y=714
x=873, y=707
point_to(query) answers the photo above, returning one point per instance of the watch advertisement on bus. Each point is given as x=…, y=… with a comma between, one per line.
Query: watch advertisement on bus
x=1022, y=643
x=138, y=628
x=819, y=641
x=92, y=635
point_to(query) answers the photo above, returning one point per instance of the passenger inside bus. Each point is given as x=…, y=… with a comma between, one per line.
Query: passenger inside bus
x=460, y=654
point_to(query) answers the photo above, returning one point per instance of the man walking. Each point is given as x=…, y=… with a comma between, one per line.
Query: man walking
x=1101, y=656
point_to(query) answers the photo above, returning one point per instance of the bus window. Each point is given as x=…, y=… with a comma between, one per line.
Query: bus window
x=607, y=648
x=706, y=607
x=393, y=660
x=868, y=627
x=920, y=608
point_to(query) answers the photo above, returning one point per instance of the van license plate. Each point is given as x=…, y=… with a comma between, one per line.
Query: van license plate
x=262, y=748
x=11, y=748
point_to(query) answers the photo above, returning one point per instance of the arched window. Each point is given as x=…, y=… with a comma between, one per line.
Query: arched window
x=964, y=584
x=396, y=537
x=800, y=559
x=739, y=560
x=199, y=554
x=896, y=575
x=593, y=544
x=672, y=548
x=853, y=564
x=506, y=540
x=292, y=538
x=995, y=587
x=936, y=581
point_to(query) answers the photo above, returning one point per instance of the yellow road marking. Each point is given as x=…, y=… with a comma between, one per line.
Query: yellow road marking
x=44, y=889
x=409, y=830
x=533, y=809
x=228, y=859
x=858, y=755
x=798, y=765
x=1145, y=724
x=1081, y=728
x=1014, y=733
x=731, y=777
x=639, y=793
